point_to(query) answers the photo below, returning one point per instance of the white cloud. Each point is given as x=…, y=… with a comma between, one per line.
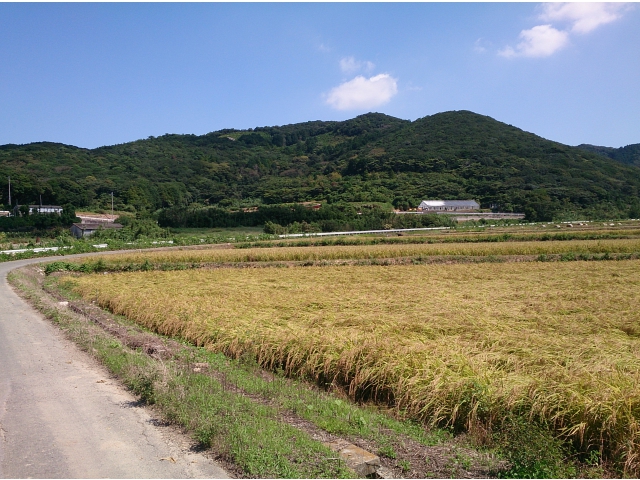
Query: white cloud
x=363, y=93
x=579, y=18
x=351, y=65
x=539, y=41
x=583, y=17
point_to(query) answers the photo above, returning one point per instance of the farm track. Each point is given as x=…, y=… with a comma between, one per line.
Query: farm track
x=61, y=415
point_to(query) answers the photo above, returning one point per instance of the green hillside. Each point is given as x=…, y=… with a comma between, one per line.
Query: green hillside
x=629, y=154
x=371, y=158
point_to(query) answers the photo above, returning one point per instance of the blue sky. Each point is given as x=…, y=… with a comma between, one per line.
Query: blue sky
x=91, y=74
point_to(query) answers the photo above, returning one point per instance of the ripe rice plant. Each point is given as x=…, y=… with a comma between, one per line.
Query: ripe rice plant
x=457, y=236
x=449, y=344
x=361, y=252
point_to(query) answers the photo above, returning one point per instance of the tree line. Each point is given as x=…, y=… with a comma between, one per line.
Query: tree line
x=23, y=221
x=299, y=218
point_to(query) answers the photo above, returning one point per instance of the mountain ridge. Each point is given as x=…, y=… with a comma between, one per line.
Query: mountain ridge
x=629, y=154
x=370, y=158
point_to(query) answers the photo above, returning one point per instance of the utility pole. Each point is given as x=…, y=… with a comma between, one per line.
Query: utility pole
x=9, y=191
x=111, y=205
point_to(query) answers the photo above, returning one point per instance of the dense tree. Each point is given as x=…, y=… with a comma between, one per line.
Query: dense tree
x=629, y=154
x=26, y=221
x=371, y=158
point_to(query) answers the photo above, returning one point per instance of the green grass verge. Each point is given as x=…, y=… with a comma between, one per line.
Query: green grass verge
x=326, y=411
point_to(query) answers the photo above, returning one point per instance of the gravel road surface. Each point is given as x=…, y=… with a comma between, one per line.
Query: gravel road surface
x=61, y=416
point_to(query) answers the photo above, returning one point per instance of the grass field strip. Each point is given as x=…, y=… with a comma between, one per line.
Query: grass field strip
x=450, y=344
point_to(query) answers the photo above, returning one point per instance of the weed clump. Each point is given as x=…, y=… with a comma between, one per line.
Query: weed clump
x=531, y=450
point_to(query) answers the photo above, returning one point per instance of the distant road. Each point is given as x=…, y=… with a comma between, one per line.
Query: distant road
x=61, y=416
x=361, y=232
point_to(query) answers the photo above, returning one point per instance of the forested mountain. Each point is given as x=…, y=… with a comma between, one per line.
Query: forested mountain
x=371, y=158
x=629, y=154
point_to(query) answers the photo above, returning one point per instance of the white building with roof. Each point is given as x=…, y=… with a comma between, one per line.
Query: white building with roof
x=45, y=209
x=448, y=206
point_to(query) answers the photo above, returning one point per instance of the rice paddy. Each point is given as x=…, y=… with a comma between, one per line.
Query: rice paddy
x=454, y=345
x=503, y=234
x=360, y=252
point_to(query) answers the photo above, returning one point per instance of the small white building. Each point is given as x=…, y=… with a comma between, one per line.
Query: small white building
x=39, y=209
x=448, y=206
x=45, y=209
x=79, y=230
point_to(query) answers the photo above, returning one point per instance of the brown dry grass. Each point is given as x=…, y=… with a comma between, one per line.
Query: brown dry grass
x=453, y=344
x=377, y=251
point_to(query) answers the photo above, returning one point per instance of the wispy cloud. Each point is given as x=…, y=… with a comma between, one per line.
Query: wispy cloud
x=540, y=41
x=362, y=93
x=583, y=17
x=481, y=45
x=578, y=18
x=350, y=65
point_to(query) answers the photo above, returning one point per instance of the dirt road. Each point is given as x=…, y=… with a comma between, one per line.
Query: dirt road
x=61, y=416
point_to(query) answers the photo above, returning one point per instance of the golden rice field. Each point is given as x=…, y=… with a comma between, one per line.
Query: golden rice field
x=457, y=344
x=359, y=252
x=524, y=233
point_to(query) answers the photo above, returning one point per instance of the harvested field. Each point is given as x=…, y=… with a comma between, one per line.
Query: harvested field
x=449, y=344
x=338, y=252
